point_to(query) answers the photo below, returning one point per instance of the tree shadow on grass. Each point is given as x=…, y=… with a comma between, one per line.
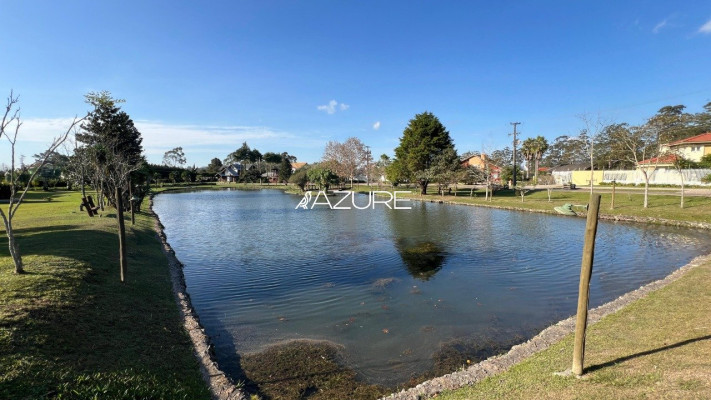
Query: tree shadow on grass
x=593, y=368
x=81, y=320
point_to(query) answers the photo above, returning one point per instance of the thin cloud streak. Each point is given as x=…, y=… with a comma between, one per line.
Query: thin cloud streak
x=660, y=25
x=200, y=143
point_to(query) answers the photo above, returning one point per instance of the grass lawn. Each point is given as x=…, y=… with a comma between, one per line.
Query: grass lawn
x=657, y=347
x=70, y=329
x=696, y=208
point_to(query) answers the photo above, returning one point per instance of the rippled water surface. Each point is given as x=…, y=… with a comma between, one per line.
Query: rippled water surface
x=393, y=286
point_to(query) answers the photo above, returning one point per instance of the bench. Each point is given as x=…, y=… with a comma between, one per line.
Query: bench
x=569, y=186
x=88, y=204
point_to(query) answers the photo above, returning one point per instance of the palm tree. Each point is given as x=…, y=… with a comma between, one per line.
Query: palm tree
x=528, y=150
x=540, y=148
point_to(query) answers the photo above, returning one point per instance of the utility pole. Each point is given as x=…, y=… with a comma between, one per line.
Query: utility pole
x=514, y=151
x=367, y=165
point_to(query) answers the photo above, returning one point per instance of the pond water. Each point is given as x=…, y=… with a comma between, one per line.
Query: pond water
x=395, y=287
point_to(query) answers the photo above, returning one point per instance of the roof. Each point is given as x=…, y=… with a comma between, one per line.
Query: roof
x=230, y=170
x=702, y=138
x=664, y=159
x=482, y=158
x=297, y=165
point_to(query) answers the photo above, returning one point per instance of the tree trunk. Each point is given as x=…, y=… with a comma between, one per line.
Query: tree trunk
x=83, y=188
x=535, y=173
x=122, y=235
x=646, y=191
x=592, y=176
x=13, y=246
x=423, y=188
x=682, y=189
x=130, y=200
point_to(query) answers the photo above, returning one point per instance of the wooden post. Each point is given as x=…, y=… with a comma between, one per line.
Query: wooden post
x=581, y=321
x=612, y=202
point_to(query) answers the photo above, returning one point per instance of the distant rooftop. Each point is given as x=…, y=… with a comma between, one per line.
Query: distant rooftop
x=702, y=138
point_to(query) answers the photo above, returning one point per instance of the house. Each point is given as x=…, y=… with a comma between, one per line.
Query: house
x=297, y=165
x=692, y=148
x=272, y=176
x=232, y=173
x=663, y=161
x=480, y=161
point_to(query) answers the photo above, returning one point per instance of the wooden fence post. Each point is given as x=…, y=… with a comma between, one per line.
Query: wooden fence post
x=581, y=321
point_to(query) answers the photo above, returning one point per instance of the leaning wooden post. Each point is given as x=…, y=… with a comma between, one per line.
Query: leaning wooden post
x=581, y=321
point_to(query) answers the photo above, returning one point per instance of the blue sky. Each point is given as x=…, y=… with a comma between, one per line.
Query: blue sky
x=290, y=76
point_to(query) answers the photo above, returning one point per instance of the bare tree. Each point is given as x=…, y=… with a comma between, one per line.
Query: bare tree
x=12, y=117
x=679, y=162
x=640, y=146
x=346, y=159
x=593, y=126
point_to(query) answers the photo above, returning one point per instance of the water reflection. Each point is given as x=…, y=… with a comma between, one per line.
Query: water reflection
x=394, y=287
x=422, y=259
x=421, y=237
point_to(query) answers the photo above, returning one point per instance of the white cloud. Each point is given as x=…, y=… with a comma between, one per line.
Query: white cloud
x=706, y=28
x=376, y=125
x=660, y=25
x=200, y=143
x=332, y=107
x=42, y=130
x=157, y=134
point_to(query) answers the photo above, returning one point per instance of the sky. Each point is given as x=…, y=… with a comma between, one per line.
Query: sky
x=293, y=75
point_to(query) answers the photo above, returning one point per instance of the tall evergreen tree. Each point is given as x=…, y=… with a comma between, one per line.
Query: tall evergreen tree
x=284, y=168
x=115, y=144
x=422, y=141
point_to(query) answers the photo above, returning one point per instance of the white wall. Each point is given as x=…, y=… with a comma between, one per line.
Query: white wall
x=660, y=176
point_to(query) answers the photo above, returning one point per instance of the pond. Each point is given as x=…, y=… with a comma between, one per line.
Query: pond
x=402, y=293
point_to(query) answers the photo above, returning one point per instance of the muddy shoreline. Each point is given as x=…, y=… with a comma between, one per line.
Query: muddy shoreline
x=222, y=387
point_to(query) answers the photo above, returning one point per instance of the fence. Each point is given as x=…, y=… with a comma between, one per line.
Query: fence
x=660, y=176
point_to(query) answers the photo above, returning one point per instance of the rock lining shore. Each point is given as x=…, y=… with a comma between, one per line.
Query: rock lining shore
x=223, y=388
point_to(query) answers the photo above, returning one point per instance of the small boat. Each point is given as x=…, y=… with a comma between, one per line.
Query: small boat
x=565, y=209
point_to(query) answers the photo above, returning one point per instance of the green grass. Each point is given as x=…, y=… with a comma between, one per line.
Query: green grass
x=696, y=208
x=70, y=329
x=657, y=347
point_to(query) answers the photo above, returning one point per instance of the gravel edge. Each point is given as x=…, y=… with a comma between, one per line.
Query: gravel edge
x=220, y=385
x=540, y=342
